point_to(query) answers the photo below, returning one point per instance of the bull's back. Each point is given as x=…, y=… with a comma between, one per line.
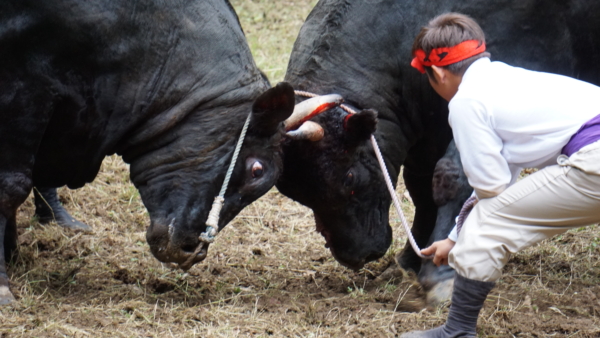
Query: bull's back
x=364, y=47
x=85, y=76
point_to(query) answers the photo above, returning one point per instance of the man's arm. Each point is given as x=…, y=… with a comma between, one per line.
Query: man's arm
x=480, y=147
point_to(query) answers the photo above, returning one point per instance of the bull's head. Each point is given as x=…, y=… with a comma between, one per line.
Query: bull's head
x=181, y=172
x=333, y=176
x=180, y=196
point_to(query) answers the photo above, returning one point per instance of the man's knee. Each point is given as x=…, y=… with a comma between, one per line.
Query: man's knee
x=478, y=256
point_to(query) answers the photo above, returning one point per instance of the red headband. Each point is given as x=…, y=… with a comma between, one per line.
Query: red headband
x=444, y=56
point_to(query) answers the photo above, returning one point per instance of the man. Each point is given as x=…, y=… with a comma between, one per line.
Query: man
x=505, y=119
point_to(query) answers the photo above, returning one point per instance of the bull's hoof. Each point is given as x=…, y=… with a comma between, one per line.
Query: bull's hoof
x=393, y=272
x=48, y=208
x=66, y=221
x=6, y=296
x=74, y=224
x=441, y=293
x=408, y=260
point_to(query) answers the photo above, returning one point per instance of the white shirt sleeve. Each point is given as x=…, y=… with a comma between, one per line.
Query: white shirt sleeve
x=479, y=146
x=453, y=235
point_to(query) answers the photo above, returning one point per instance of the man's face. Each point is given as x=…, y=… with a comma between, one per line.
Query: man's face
x=444, y=82
x=436, y=85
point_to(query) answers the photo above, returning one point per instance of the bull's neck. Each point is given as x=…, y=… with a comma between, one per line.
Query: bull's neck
x=189, y=135
x=362, y=51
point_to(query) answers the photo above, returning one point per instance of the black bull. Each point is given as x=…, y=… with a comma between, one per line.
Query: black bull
x=167, y=85
x=362, y=50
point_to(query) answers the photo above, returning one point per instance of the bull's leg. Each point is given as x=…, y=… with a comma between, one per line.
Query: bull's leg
x=14, y=189
x=439, y=280
x=10, y=239
x=48, y=208
x=450, y=190
x=24, y=115
x=418, y=176
x=8, y=230
x=6, y=242
x=419, y=187
x=430, y=275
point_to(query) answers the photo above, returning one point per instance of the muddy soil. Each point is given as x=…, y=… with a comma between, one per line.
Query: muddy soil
x=268, y=274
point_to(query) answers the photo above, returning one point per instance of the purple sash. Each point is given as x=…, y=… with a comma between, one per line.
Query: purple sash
x=587, y=134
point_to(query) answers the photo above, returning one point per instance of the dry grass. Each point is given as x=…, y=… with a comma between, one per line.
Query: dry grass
x=268, y=273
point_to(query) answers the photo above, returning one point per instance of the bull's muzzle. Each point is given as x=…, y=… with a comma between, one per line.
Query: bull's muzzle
x=185, y=252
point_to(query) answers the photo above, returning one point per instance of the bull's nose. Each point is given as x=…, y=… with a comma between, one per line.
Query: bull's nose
x=347, y=261
x=158, y=237
x=196, y=256
x=355, y=260
x=168, y=248
x=354, y=265
x=170, y=253
x=373, y=256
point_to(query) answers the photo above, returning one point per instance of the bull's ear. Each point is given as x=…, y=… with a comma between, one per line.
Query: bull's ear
x=271, y=108
x=359, y=127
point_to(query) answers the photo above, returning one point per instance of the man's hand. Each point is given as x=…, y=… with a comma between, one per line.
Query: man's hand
x=440, y=250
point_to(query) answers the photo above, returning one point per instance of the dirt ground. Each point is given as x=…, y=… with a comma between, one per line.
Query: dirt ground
x=268, y=273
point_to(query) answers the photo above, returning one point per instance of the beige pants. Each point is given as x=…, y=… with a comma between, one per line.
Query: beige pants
x=546, y=203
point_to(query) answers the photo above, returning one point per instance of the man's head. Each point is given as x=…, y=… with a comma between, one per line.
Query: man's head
x=449, y=30
x=445, y=48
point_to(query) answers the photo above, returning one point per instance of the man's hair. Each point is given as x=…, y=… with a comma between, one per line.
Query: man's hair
x=447, y=30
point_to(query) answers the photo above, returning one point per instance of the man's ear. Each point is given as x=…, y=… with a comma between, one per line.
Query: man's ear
x=439, y=74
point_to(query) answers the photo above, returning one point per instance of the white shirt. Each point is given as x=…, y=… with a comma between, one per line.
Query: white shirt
x=506, y=118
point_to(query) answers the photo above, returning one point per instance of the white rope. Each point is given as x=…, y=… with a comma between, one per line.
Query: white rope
x=305, y=94
x=212, y=223
x=390, y=187
x=387, y=179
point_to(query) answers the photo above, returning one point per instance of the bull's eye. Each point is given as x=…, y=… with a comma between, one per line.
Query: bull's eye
x=257, y=169
x=349, y=179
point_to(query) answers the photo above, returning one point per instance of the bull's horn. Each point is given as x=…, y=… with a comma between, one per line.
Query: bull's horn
x=309, y=130
x=306, y=109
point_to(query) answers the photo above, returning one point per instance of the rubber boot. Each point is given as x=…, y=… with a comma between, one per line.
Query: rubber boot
x=468, y=297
